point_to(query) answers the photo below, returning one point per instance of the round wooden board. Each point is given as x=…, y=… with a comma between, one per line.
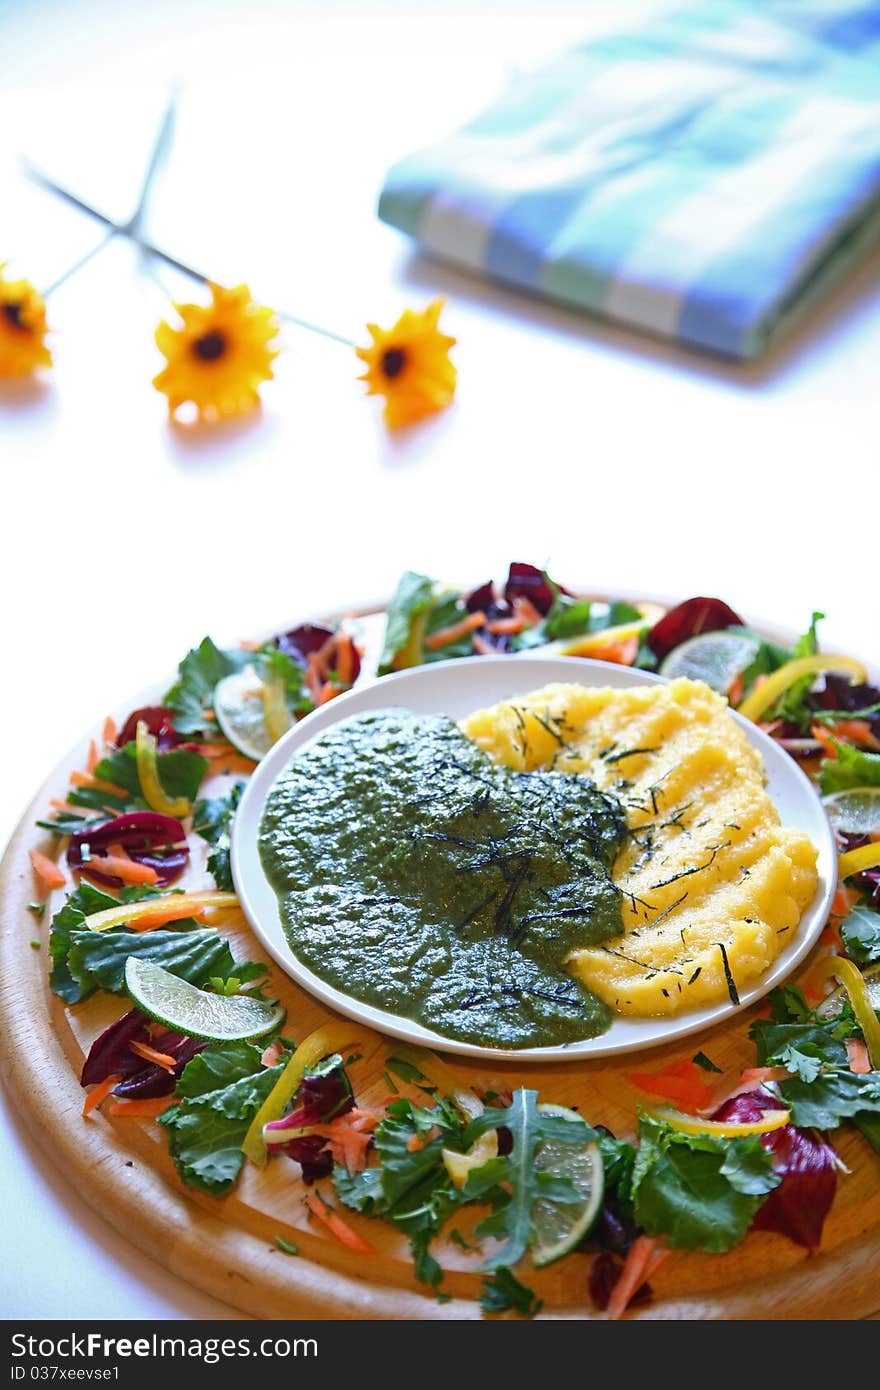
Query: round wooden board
x=226, y=1246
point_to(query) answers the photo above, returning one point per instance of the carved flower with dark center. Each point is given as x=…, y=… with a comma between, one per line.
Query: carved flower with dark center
x=409, y=365
x=219, y=356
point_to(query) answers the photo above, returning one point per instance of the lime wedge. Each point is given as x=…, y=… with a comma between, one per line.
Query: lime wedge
x=716, y=658
x=178, y=1005
x=560, y=1227
x=241, y=715
x=855, y=812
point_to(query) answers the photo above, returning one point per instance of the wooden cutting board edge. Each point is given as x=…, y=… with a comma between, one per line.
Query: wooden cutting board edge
x=241, y=1268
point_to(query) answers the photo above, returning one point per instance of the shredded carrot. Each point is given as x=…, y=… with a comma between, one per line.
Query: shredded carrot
x=151, y=1054
x=506, y=626
x=857, y=731
x=831, y=936
x=622, y=653
x=46, y=870
x=247, y=644
x=121, y=867
x=272, y=1054
x=844, y=901
x=682, y=1082
x=857, y=1052
x=85, y=779
x=656, y=1261
x=68, y=808
x=822, y=736
x=93, y=757
x=215, y=750
x=337, y=1227
x=444, y=635
x=632, y=1276
x=481, y=646
x=329, y=691
x=736, y=691
x=349, y=1139
x=525, y=609
x=313, y=677
x=140, y=1109
x=99, y=1093
x=414, y=1143
x=344, y=657
x=110, y=732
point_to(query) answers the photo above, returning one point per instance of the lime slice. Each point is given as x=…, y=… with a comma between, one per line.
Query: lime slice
x=178, y=1005
x=558, y=1227
x=241, y=715
x=855, y=812
x=832, y=1005
x=714, y=657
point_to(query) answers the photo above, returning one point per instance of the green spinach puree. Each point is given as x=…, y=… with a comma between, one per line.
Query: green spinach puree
x=419, y=876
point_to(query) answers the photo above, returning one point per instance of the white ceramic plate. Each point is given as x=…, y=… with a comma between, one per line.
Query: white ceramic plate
x=456, y=688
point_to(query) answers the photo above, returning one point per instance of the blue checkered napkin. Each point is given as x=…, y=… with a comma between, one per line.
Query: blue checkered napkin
x=703, y=179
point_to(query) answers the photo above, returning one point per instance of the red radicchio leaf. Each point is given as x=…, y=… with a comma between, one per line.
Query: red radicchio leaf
x=307, y=640
x=147, y=837
x=798, y=1206
x=111, y=1054
x=525, y=581
x=481, y=599
x=321, y=1099
x=159, y=722
x=688, y=619
x=313, y=1156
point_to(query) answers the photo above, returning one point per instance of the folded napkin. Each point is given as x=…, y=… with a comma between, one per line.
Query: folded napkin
x=704, y=178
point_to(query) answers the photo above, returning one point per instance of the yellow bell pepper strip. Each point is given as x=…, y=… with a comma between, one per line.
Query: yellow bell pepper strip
x=458, y=1166
x=155, y=912
x=275, y=711
x=721, y=1129
x=148, y=775
x=776, y=684
x=437, y=1072
x=594, y=643
x=853, y=981
x=323, y=1042
x=854, y=861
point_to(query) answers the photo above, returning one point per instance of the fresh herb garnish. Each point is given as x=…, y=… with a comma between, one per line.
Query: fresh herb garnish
x=502, y=1292
x=860, y=934
x=705, y=1062
x=286, y=1246
x=212, y=819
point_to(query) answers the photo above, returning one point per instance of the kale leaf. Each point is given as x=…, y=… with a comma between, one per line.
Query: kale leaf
x=220, y=1091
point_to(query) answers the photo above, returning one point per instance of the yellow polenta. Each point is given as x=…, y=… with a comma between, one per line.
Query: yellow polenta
x=706, y=863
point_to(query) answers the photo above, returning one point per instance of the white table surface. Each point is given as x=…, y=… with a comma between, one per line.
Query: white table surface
x=617, y=461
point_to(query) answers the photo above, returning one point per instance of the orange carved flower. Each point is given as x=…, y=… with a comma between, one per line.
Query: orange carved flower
x=409, y=365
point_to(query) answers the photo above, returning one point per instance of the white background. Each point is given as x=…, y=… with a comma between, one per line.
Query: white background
x=617, y=461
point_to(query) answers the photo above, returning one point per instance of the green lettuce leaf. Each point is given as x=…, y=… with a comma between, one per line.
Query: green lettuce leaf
x=851, y=768
x=412, y=597
x=180, y=772
x=193, y=691
x=97, y=959
x=699, y=1191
